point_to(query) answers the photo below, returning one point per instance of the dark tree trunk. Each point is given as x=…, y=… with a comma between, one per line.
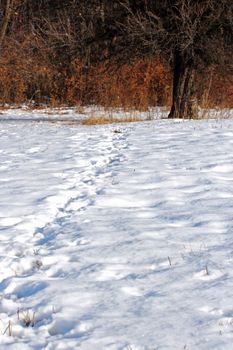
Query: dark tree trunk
x=5, y=20
x=184, y=103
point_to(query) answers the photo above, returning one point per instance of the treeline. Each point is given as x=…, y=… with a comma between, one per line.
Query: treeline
x=115, y=53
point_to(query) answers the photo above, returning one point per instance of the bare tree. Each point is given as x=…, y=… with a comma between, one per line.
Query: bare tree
x=190, y=34
x=6, y=8
x=9, y=17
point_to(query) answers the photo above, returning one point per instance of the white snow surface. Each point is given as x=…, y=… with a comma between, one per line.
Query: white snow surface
x=116, y=237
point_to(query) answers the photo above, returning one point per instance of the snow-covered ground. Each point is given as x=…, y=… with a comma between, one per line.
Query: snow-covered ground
x=72, y=115
x=116, y=237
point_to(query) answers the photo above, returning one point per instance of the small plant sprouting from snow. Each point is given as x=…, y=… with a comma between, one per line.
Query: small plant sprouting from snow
x=38, y=264
x=27, y=317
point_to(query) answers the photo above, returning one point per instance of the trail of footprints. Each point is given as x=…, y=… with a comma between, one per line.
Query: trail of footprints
x=45, y=256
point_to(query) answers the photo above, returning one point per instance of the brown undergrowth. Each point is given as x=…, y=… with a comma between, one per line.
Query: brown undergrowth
x=32, y=78
x=105, y=120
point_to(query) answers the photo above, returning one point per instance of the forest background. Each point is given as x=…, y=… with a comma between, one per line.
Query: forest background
x=60, y=53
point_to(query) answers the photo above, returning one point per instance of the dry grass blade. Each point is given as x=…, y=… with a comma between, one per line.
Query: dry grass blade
x=9, y=329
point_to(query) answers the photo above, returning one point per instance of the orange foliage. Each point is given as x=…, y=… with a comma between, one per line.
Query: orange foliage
x=27, y=78
x=140, y=84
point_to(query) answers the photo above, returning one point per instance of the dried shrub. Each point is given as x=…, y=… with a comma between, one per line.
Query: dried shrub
x=215, y=89
x=34, y=77
x=105, y=120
